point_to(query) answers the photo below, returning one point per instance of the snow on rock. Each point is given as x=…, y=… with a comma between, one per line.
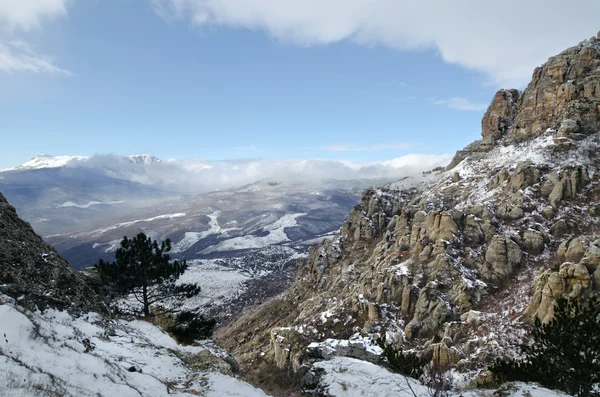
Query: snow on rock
x=349, y=377
x=516, y=389
x=357, y=346
x=52, y=353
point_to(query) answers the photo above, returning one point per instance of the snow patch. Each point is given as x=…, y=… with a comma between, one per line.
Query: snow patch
x=69, y=204
x=276, y=235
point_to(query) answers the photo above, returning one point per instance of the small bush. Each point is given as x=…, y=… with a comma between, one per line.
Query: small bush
x=189, y=327
x=565, y=354
x=405, y=363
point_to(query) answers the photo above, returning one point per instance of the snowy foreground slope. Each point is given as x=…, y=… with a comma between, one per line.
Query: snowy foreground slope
x=348, y=377
x=54, y=354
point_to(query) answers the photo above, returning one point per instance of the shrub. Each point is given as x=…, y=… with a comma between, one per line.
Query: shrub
x=565, y=353
x=405, y=363
x=189, y=327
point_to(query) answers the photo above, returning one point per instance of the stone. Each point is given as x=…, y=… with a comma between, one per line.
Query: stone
x=559, y=228
x=526, y=175
x=556, y=195
x=533, y=242
x=575, y=250
x=572, y=280
x=548, y=212
x=502, y=256
x=431, y=310
x=443, y=356
x=33, y=270
x=510, y=211
x=472, y=318
x=285, y=344
x=500, y=115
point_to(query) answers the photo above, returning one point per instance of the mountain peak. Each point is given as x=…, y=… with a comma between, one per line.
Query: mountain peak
x=144, y=159
x=563, y=96
x=48, y=161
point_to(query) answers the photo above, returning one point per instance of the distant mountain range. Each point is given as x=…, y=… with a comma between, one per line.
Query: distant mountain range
x=85, y=205
x=249, y=216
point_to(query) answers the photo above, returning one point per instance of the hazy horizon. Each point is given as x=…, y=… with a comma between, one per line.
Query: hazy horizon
x=348, y=81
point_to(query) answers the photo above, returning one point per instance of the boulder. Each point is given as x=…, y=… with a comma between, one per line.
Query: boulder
x=502, y=256
x=533, y=242
x=444, y=357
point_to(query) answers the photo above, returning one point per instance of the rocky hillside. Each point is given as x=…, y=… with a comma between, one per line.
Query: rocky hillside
x=456, y=263
x=32, y=272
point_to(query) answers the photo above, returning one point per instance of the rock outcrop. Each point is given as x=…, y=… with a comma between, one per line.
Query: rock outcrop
x=500, y=116
x=578, y=277
x=32, y=272
x=563, y=95
x=456, y=263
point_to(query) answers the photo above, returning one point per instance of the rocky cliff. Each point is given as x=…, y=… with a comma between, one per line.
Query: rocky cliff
x=456, y=263
x=32, y=272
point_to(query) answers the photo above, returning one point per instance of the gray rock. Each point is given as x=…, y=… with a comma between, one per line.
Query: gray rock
x=34, y=272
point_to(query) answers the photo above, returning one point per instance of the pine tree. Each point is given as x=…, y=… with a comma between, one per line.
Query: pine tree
x=565, y=353
x=144, y=269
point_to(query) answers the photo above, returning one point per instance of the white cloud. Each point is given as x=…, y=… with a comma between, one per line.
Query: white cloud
x=503, y=39
x=393, y=83
x=194, y=175
x=18, y=56
x=249, y=147
x=25, y=15
x=29, y=14
x=367, y=148
x=459, y=103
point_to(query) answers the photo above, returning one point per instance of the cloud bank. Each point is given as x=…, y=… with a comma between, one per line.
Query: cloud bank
x=197, y=175
x=505, y=40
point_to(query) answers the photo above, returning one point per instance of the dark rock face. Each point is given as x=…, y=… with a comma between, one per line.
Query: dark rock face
x=32, y=272
x=500, y=116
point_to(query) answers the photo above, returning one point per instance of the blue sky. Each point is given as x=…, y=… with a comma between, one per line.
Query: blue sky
x=177, y=79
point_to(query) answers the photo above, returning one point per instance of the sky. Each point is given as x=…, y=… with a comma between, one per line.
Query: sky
x=355, y=80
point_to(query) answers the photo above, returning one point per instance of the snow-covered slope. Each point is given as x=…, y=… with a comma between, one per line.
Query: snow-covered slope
x=46, y=161
x=55, y=354
x=348, y=377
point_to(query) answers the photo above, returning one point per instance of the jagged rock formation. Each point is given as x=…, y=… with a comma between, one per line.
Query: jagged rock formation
x=32, y=272
x=457, y=262
x=564, y=94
